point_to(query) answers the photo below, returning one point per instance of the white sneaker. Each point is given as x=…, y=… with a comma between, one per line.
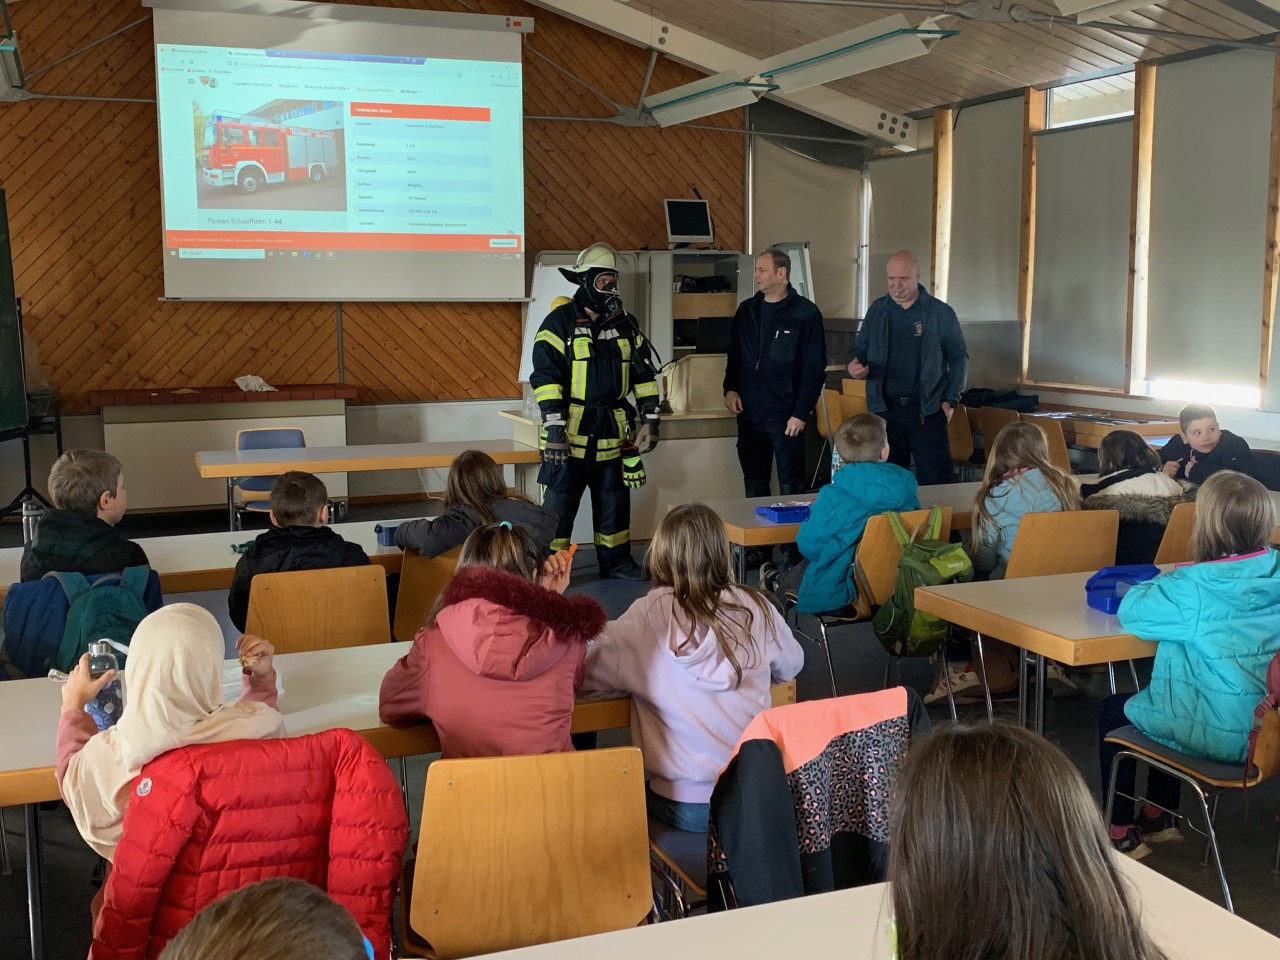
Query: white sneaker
x=964, y=681
x=1056, y=679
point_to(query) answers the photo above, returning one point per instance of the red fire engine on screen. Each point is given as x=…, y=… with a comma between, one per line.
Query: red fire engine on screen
x=247, y=152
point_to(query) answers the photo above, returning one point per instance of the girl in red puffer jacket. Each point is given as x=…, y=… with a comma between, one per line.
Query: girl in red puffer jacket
x=500, y=660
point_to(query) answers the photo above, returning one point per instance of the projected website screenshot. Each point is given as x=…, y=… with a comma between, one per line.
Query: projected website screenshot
x=286, y=155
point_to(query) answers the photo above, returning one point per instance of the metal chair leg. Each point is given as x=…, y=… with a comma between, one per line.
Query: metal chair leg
x=1275, y=867
x=1023, y=687
x=826, y=648
x=1111, y=677
x=986, y=687
x=1209, y=815
x=1133, y=675
x=824, y=452
x=6, y=866
x=404, y=784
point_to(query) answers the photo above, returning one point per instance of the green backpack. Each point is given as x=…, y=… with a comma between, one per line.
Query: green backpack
x=903, y=630
x=110, y=607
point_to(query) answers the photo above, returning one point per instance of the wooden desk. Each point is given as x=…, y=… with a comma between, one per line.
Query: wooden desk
x=1046, y=616
x=853, y=924
x=232, y=464
x=205, y=561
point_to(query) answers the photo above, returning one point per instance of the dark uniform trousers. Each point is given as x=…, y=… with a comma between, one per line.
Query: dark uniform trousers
x=926, y=437
x=759, y=444
x=610, y=504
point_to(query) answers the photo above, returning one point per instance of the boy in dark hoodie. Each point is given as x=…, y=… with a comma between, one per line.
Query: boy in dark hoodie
x=78, y=535
x=298, y=539
x=1203, y=448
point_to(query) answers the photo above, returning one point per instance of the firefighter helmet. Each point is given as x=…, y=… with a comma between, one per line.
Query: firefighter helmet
x=596, y=273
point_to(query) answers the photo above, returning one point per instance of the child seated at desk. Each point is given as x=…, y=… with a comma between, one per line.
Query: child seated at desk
x=78, y=535
x=697, y=654
x=1133, y=484
x=1217, y=621
x=498, y=665
x=475, y=493
x=299, y=539
x=1203, y=448
x=174, y=700
x=866, y=486
x=1018, y=479
x=1014, y=865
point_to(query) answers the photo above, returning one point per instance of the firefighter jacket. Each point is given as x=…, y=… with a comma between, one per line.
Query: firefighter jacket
x=583, y=369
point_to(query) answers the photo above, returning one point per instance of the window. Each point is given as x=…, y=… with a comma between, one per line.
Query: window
x=233, y=136
x=1091, y=101
x=273, y=138
x=254, y=139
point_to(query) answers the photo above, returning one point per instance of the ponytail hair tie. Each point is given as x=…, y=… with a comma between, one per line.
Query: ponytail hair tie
x=506, y=524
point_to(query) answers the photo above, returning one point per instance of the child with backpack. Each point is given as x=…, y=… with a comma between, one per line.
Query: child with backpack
x=1132, y=484
x=497, y=666
x=78, y=535
x=1217, y=621
x=299, y=539
x=1019, y=479
x=867, y=485
x=173, y=698
x=697, y=654
x=475, y=493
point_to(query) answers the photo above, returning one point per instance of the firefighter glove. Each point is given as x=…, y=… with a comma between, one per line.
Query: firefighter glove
x=555, y=448
x=632, y=469
x=647, y=435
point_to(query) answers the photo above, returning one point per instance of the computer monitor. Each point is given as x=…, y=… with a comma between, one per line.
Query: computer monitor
x=689, y=221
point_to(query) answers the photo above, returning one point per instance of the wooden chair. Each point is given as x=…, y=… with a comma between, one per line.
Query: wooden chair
x=1209, y=780
x=1175, y=545
x=320, y=609
x=960, y=439
x=829, y=417
x=854, y=388
x=517, y=851
x=252, y=494
x=1059, y=456
x=992, y=420
x=1067, y=541
x=851, y=406
x=422, y=579
x=877, y=561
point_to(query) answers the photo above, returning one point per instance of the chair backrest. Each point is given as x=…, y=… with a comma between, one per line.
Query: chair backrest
x=527, y=850
x=828, y=413
x=993, y=420
x=1266, y=468
x=1067, y=541
x=422, y=579
x=851, y=405
x=1056, y=439
x=960, y=435
x=1266, y=752
x=1175, y=545
x=854, y=388
x=265, y=438
x=320, y=609
x=879, y=551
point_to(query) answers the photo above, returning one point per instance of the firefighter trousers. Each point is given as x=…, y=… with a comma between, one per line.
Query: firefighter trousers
x=610, y=506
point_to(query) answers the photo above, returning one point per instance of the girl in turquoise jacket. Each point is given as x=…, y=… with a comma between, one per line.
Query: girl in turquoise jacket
x=864, y=487
x=1217, y=621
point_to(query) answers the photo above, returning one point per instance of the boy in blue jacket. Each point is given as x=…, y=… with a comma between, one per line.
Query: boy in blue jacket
x=865, y=486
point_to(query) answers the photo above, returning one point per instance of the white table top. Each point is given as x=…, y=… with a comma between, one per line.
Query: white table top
x=368, y=456
x=852, y=925
x=205, y=561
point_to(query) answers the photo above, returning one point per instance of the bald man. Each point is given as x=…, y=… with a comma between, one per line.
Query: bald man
x=912, y=354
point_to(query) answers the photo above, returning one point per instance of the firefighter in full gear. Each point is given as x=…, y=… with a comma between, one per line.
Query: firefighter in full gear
x=588, y=356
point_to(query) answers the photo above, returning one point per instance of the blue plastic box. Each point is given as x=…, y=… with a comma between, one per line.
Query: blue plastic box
x=778, y=513
x=386, y=535
x=1107, y=587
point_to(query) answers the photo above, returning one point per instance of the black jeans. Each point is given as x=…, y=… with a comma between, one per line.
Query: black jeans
x=759, y=444
x=924, y=438
x=1162, y=789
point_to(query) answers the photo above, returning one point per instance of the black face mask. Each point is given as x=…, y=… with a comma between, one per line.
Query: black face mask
x=607, y=303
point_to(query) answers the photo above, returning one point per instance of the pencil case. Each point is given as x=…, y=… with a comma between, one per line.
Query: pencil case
x=386, y=535
x=1106, y=588
x=780, y=513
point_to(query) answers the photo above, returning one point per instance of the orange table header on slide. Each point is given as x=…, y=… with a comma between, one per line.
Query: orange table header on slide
x=419, y=111
x=287, y=240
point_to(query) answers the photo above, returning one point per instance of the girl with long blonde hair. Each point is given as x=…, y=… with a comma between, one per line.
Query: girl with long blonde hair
x=697, y=654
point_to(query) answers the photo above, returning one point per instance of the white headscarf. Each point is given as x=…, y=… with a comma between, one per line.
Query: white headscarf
x=174, y=691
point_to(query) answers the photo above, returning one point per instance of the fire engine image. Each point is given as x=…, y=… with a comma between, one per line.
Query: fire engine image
x=247, y=152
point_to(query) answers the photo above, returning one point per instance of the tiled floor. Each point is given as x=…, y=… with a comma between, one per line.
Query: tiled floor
x=1248, y=838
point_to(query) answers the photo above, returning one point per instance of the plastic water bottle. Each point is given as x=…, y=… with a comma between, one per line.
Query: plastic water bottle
x=31, y=512
x=107, y=706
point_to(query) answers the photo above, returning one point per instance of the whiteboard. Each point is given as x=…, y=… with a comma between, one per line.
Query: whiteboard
x=548, y=283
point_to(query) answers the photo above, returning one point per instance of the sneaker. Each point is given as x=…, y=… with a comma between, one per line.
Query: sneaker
x=1131, y=845
x=1161, y=828
x=769, y=576
x=1058, y=683
x=625, y=571
x=963, y=681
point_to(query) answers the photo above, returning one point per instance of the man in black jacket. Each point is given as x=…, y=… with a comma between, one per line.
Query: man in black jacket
x=777, y=365
x=298, y=540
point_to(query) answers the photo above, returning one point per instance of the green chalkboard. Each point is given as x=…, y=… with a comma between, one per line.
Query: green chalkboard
x=13, y=390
